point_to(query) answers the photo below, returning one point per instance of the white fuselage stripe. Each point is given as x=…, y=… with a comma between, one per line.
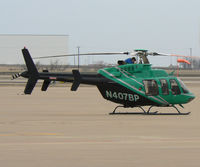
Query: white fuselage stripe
x=123, y=72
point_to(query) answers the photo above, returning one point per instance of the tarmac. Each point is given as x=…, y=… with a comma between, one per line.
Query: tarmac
x=60, y=128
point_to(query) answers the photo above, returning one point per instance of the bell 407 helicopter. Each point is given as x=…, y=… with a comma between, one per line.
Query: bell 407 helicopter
x=130, y=85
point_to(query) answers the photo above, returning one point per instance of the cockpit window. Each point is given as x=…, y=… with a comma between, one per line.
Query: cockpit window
x=164, y=87
x=184, y=88
x=174, y=87
x=151, y=87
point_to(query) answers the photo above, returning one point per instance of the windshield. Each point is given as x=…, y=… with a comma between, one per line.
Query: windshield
x=174, y=87
x=184, y=88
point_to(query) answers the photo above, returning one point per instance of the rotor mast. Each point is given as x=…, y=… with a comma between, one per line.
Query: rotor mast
x=142, y=54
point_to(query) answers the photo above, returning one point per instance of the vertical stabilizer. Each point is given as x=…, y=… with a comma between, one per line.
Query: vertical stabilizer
x=32, y=72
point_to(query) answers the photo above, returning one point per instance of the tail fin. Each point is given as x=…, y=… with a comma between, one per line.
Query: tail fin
x=30, y=85
x=32, y=72
x=77, y=79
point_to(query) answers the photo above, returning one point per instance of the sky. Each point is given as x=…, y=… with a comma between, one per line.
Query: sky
x=169, y=26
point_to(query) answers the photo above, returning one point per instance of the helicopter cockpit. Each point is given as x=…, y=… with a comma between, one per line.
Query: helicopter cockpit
x=175, y=85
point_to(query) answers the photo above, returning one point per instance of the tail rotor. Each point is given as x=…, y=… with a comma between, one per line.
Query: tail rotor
x=15, y=76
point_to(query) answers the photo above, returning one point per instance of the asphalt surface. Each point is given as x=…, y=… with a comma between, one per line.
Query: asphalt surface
x=64, y=128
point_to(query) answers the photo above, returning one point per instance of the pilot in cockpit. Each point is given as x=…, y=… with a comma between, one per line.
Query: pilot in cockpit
x=127, y=61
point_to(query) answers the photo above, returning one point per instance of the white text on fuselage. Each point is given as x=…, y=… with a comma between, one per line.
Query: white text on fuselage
x=122, y=96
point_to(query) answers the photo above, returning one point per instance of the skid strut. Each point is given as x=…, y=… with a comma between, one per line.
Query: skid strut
x=148, y=111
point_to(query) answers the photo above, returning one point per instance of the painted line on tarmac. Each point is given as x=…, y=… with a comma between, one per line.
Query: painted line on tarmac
x=30, y=134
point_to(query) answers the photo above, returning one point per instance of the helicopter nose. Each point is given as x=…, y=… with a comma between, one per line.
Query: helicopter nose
x=190, y=98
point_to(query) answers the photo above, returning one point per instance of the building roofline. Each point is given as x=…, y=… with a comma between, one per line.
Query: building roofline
x=34, y=35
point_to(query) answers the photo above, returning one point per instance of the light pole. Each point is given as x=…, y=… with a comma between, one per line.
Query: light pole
x=191, y=58
x=78, y=47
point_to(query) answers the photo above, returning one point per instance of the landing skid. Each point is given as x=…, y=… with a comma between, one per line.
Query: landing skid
x=147, y=112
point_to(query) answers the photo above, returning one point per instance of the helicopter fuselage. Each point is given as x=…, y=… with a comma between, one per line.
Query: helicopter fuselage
x=139, y=84
x=131, y=85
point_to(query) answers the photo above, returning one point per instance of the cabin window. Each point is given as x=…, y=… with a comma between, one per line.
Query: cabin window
x=151, y=87
x=184, y=88
x=164, y=87
x=174, y=87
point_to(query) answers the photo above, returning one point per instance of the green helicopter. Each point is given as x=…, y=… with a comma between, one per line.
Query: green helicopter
x=130, y=85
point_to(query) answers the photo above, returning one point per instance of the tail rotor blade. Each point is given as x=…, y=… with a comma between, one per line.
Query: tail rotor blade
x=15, y=76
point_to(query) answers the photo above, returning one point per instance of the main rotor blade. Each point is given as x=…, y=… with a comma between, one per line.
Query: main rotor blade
x=185, y=56
x=174, y=55
x=84, y=54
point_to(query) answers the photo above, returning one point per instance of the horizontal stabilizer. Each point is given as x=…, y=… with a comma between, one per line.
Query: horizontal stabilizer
x=45, y=85
x=77, y=79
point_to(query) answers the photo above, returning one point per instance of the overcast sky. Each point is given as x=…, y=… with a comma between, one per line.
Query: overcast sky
x=109, y=25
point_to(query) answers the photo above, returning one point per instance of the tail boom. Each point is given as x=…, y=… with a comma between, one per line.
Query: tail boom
x=75, y=77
